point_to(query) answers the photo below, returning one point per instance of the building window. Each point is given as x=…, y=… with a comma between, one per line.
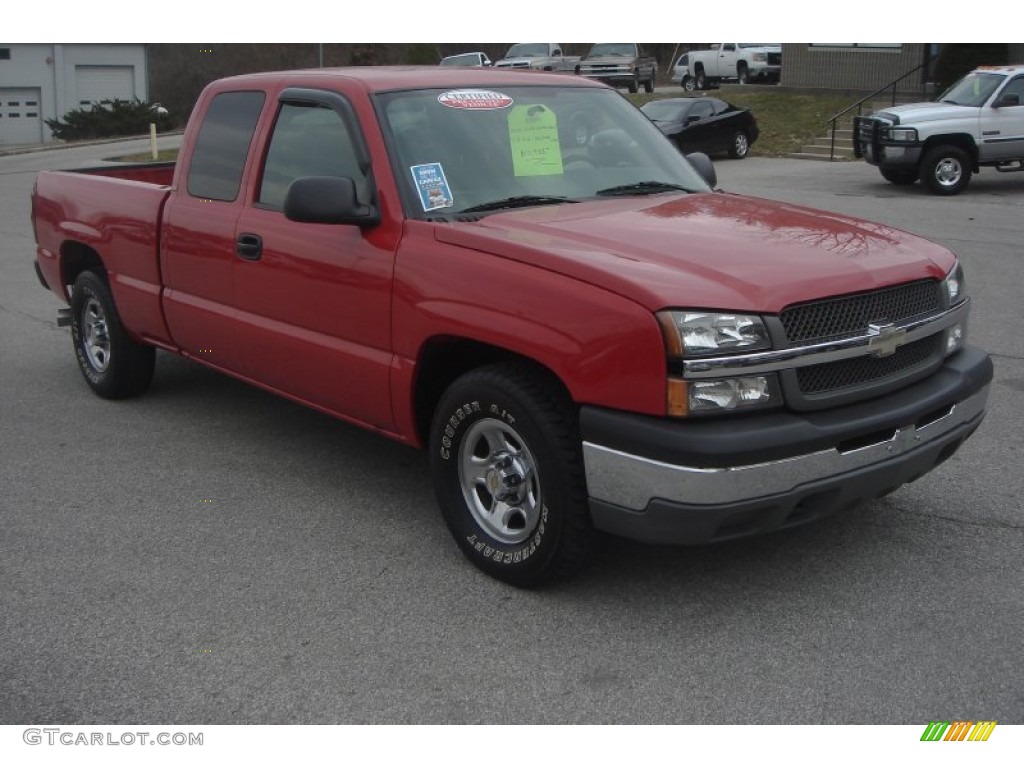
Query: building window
x=859, y=46
x=5, y=54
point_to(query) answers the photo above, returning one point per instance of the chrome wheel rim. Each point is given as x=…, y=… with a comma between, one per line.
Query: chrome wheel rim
x=741, y=145
x=948, y=172
x=95, y=335
x=499, y=481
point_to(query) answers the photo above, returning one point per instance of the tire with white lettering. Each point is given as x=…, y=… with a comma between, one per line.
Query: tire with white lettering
x=508, y=472
x=113, y=364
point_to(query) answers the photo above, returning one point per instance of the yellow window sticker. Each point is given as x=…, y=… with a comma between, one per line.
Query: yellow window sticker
x=533, y=136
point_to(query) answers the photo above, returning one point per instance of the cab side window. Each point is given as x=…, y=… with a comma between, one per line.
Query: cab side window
x=222, y=145
x=308, y=140
x=1016, y=86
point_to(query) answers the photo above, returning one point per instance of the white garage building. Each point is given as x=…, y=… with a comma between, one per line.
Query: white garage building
x=46, y=81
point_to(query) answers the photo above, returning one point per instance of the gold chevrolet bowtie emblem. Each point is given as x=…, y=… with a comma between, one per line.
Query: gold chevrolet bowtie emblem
x=885, y=338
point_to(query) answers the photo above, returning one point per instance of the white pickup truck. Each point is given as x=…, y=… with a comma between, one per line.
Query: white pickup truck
x=546, y=57
x=978, y=122
x=738, y=62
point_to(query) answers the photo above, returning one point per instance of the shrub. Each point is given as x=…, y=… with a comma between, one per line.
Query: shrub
x=100, y=121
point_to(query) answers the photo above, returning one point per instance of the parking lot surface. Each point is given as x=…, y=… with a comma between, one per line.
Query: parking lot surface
x=209, y=553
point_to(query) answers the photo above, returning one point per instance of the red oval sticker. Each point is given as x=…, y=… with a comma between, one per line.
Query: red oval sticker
x=475, y=99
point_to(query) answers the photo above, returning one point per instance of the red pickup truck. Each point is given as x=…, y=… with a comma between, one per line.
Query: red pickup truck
x=581, y=331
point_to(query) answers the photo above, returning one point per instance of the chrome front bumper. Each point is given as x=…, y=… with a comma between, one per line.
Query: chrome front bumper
x=743, y=488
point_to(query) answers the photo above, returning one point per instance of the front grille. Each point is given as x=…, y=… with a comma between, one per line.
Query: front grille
x=828, y=377
x=774, y=59
x=848, y=316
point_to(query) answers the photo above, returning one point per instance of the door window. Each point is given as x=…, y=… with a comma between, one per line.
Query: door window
x=308, y=140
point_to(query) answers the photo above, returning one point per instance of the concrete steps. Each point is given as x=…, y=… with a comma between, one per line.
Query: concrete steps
x=821, y=147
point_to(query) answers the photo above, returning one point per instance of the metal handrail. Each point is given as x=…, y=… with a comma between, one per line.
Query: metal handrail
x=857, y=105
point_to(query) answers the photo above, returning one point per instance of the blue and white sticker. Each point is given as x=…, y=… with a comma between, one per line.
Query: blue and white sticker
x=432, y=186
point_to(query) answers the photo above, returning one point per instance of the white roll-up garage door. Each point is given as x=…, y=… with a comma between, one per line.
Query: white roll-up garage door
x=21, y=119
x=96, y=85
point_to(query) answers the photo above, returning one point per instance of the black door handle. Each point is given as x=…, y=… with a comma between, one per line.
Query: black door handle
x=249, y=246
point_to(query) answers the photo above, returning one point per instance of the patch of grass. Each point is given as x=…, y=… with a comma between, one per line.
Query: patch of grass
x=787, y=120
x=163, y=156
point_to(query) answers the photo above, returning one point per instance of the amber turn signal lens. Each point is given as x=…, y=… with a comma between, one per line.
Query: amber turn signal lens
x=678, y=398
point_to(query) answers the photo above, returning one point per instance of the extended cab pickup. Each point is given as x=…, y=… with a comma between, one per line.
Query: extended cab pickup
x=620, y=64
x=737, y=62
x=583, y=336
x=546, y=57
x=978, y=122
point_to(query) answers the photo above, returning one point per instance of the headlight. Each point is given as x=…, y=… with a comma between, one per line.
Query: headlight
x=956, y=293
x=760, y=57
x=742, y=393
x=699, y=334
x=704, y=334
x=956, y=288
x=902, y=134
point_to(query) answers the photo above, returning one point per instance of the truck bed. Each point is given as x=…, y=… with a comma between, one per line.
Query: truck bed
x=75, y=206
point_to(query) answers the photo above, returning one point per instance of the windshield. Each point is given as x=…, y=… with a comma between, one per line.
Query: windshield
x=664, y=109
x=527, y=50
x=972, y=90
x=455, y=151
x=611, y=49
x=461, y=60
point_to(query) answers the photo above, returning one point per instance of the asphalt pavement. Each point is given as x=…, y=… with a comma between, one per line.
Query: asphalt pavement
x=209, y=553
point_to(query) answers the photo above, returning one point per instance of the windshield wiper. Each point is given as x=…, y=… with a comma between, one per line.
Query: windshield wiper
x=519, y=201
x=950, y=101
x=643, y=188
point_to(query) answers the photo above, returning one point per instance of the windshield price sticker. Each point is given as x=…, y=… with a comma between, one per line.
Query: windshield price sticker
x=432, y=186
x=533, y=135
x=475, y=100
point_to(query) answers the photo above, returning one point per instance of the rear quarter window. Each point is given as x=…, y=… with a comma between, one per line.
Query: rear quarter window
x=222, y=145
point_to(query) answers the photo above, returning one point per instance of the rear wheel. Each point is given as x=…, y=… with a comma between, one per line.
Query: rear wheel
x=508, y=472
x=740, y=145
x=113, y=365
x=946, y=170
x=742, y=74
x=899, y=176
x=701, y=82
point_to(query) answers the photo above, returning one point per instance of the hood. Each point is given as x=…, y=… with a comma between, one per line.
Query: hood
x=518, y=62
x=710, y=250
x=926, y=111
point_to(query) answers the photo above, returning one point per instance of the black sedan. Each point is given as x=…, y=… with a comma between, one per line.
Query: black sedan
x=703, y=124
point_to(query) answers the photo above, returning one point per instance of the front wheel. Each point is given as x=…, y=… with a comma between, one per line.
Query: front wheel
x=946, y=170
x=634, y=84
x=114, y=365
x=740, y=146
x=508, y=472
x=688, y=83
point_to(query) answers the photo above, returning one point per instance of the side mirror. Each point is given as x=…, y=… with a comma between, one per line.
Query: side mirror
x=327, y=200
x=1007, y=100
x=702, y=164
x=556, y=52
x=690, y=119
